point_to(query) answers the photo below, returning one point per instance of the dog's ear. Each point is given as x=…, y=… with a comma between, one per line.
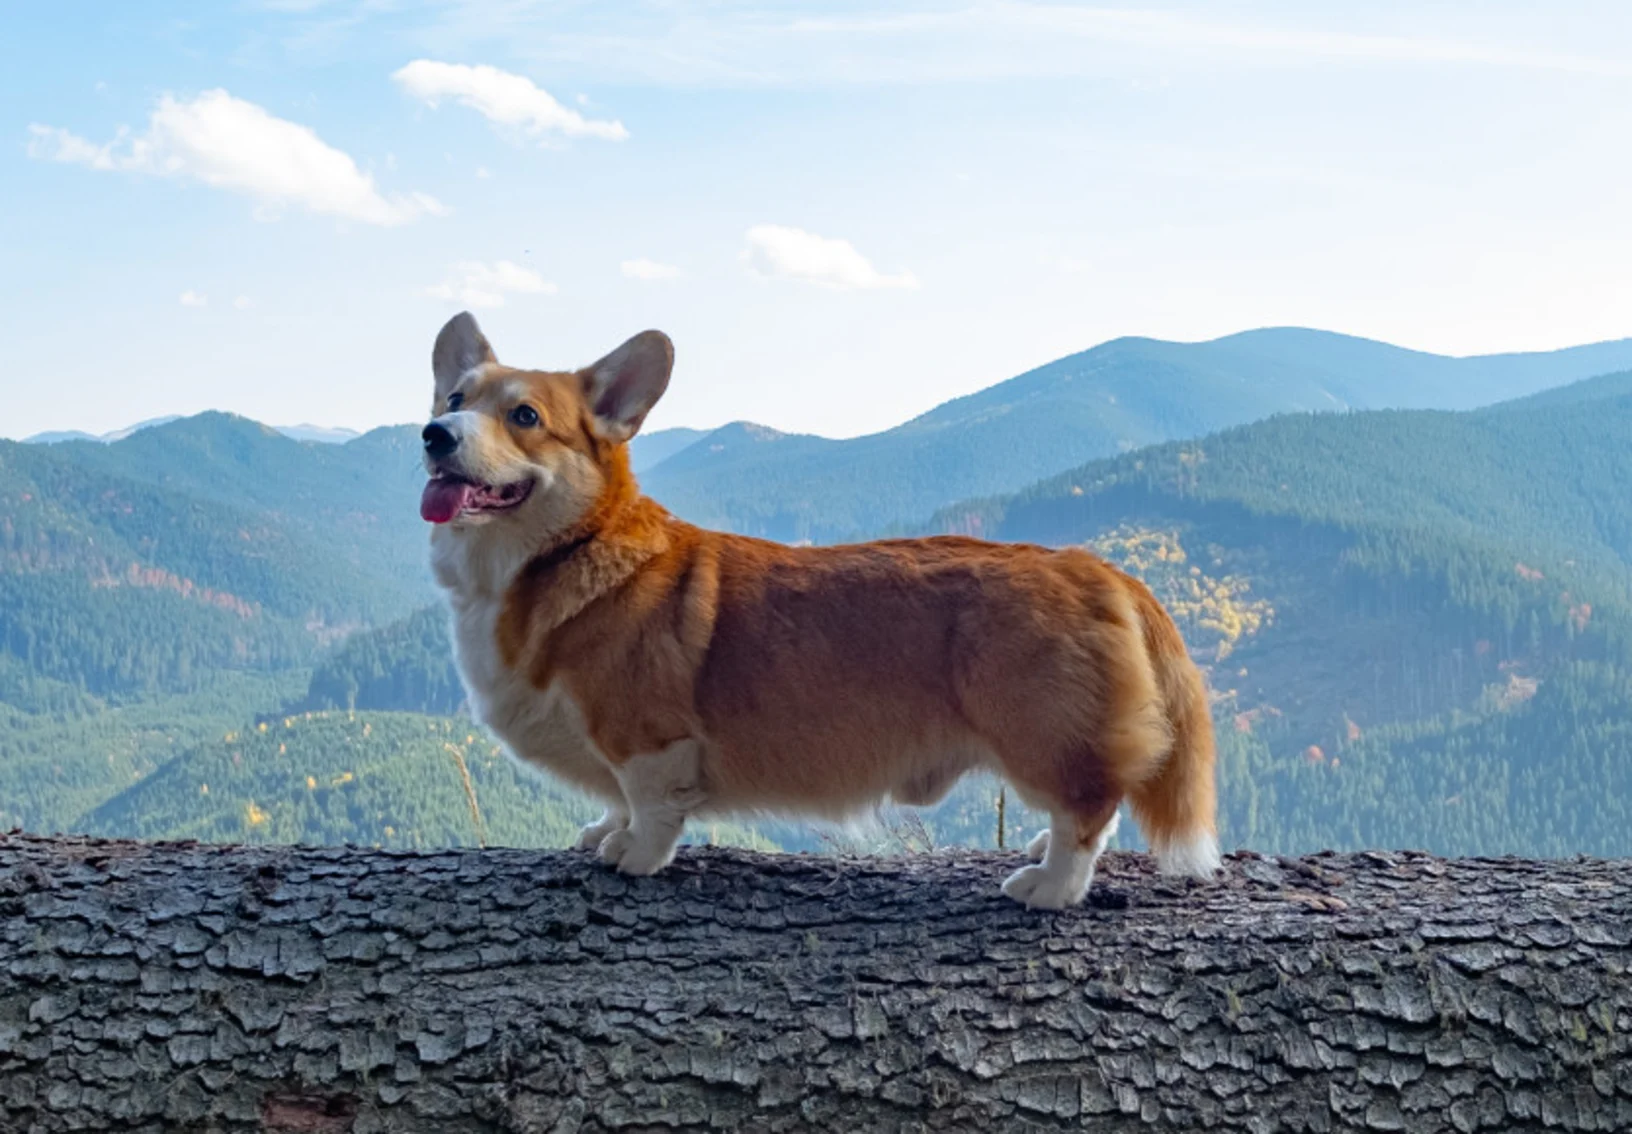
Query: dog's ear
x=459, y=346
x=623, y=387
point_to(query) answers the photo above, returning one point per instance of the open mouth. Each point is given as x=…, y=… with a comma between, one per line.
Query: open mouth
x=449, y=497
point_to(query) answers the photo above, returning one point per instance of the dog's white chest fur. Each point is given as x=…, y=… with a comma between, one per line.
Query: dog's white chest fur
x=540, y=726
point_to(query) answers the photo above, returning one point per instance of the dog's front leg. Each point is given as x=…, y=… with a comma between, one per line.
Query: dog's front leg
x=661, y=788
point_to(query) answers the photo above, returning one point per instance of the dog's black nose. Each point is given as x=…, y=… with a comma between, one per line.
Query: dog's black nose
x=438, y=441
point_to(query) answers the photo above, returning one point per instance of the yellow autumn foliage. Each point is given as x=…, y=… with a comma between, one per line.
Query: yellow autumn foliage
x=1213, y=612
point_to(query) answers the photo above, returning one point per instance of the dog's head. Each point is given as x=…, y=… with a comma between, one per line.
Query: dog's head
x=530, y=447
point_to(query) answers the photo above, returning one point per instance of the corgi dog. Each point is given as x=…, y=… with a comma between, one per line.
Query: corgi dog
x=672, y=672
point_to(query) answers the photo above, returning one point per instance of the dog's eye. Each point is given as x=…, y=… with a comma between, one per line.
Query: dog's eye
x=525, y=416
x=455, y=401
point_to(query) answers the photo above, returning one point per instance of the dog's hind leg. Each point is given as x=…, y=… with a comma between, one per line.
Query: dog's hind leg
x=661, y=789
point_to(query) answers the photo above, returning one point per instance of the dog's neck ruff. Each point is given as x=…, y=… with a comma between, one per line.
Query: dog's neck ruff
x=552, y=581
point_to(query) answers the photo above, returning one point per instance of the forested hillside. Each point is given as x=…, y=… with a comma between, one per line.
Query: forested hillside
x=1588, y=390
x=358, y=500
x=1540, y=769
x=55, y=766
x=372, y=779
x=406, y=665
x=140, y=566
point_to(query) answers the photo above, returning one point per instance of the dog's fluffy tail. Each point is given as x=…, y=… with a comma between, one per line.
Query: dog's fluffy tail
x=1176, y=806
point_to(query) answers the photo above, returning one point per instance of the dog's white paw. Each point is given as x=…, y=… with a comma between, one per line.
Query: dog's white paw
x=1042, y=889
x=634, y=856
x=615, y=845
x=1038, y=847
x=592, y=836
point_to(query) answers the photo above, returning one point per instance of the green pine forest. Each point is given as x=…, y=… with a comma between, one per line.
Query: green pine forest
x=1416, y=623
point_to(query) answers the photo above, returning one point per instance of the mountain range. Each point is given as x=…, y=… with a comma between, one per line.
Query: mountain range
x=1110, y=399
x=328, y=434
x=1417, y=621
x=1114, y=398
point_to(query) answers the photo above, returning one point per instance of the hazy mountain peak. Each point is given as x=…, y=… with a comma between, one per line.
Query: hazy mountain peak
x=325, y=434
x=56, y=436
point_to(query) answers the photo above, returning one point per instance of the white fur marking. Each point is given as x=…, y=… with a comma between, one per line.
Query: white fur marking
x=591, y=837
x=662, y=789
x=1038, y=847
x=1064, y=875
x=541, y=727
x=461, y=423
x=1195, y=857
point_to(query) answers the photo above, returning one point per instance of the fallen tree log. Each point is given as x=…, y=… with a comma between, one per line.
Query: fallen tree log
x=188, y=987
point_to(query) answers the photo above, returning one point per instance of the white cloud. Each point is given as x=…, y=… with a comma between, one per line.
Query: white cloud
x=49, y=143
x=243, y=303
x=777, y=250
x=192, y=298
x=475, y=284
x=512, y=101
x=644, y=269
x=230, y=144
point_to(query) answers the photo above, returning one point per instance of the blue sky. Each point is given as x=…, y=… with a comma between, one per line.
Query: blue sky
x=843, y=213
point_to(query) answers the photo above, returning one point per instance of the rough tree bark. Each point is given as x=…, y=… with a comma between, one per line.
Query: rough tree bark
x=184, y=987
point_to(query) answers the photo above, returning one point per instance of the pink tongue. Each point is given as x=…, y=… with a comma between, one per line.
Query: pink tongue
x=444, y=499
